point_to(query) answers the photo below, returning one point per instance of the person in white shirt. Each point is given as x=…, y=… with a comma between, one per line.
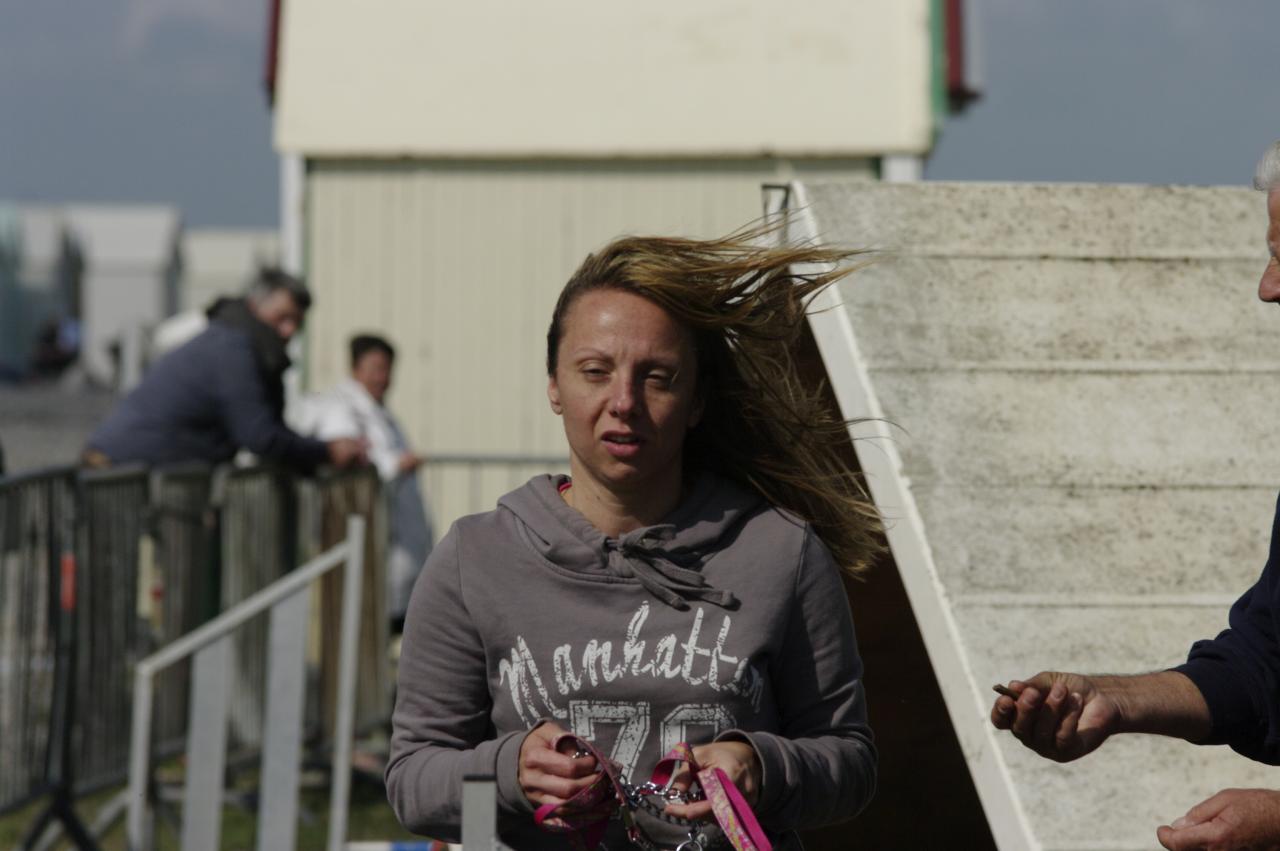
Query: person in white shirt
x=355, y=408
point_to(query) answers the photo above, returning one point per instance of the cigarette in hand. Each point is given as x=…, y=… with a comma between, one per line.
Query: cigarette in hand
x=1005, y=690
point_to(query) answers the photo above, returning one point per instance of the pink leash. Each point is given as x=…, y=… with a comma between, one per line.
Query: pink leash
x=610, y=792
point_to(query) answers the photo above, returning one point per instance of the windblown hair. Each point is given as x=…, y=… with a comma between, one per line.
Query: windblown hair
x=1267, y=175
x=745, y=303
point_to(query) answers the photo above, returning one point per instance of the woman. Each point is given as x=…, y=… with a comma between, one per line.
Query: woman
x=682, y=584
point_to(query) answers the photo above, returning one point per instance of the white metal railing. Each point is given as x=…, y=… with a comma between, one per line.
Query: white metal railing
x=480, y=814
x=211, y=646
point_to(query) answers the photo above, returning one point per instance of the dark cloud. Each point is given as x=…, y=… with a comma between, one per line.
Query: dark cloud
x=145, y=100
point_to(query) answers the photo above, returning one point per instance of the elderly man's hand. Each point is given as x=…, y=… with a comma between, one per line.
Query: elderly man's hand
x=410, y=461
x=348, y=452
x=1065, y=716
x=1231, y=820
x=1059, y=716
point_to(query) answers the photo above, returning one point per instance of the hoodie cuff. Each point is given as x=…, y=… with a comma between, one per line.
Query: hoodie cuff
x=772, y=771
x=506, y=771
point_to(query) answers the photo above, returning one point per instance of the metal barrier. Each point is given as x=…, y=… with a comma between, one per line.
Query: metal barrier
x=36, y=542
x=288, y=602
x=141, y=557
x=110, y=635
x=181, y=588
x=259, y=528
x=336, y=497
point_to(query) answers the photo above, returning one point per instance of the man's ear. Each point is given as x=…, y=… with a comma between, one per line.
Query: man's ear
x=553, y=395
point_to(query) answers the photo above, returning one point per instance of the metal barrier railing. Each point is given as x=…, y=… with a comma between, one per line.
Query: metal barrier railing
x=110, y=637
x=36, y=540
x=287, y=600
x=329, y=502
x=259, y=511
x=180, y=590
x=99, y=568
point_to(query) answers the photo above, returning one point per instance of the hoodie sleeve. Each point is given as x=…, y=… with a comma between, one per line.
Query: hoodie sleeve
x=250, y=420
x=441, y=729
x=1239, y=671
x=820, y=767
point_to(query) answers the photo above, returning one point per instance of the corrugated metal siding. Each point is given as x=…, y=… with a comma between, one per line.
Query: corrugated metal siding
x=460, y=263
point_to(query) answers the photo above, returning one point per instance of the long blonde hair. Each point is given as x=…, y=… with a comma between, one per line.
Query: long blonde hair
x=761, y=426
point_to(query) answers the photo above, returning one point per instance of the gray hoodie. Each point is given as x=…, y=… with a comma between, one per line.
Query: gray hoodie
x=726, y=621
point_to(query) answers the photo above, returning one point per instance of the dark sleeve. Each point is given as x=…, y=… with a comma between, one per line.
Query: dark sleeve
x=441, y=729
x=1239, y=671
x=820, y=767
x=251, y=420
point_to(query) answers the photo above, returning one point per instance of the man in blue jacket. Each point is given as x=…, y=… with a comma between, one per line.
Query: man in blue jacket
x=221, y=392
x=1228, y=692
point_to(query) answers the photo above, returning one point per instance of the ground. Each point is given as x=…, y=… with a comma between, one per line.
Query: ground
x=370, y=819
x=46, y=424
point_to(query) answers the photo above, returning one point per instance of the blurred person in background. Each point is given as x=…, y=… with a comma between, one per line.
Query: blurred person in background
x=221, y=392
x=356, y=408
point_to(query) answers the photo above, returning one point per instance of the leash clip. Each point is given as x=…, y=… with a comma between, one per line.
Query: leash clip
x=695, y=842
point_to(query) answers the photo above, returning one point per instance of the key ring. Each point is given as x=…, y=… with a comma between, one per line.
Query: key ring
x=694, y=842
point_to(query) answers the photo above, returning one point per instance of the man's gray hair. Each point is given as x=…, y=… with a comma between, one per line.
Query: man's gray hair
x=270, y=279
x=1267, y=175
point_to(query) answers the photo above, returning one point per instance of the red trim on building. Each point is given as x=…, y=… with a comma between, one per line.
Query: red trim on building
x=959, y=91
x=273, y=50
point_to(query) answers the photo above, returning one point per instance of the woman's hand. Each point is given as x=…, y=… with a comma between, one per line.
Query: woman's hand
x=548, y=776
x=738, y=760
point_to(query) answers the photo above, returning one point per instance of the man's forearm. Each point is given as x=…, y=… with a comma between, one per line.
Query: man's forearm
x=1165, y=703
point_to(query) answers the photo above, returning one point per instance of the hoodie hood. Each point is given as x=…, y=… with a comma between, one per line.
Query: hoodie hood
x=665, y=558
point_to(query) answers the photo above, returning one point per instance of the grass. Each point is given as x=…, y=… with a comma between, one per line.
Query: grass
x=369, y=818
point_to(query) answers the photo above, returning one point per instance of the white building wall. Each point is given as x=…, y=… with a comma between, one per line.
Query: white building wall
x=585, y=78
x=459, y=264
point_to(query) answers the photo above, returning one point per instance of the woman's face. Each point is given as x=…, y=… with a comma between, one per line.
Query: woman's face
x=624, y=384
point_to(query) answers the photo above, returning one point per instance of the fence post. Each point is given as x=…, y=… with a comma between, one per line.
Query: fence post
x=282, y=738
x=480, y=813
x=352, y=581
x=207, y=749
x=61, y=532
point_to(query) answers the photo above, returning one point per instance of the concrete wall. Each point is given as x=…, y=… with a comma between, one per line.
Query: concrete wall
x=460, y=265
x=1082, y=474
x=582, y=78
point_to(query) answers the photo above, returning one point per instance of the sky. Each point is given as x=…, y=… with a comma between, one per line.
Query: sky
x=163, y=101
x=138, y=100
x=1131, y=91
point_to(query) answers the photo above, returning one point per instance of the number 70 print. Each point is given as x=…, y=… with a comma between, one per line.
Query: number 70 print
x=588, y=717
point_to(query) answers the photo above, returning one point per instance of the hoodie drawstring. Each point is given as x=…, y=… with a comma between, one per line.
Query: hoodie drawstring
x=636, y=554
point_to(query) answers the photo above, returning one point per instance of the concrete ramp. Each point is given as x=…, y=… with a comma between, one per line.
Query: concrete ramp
x=1083, y=467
